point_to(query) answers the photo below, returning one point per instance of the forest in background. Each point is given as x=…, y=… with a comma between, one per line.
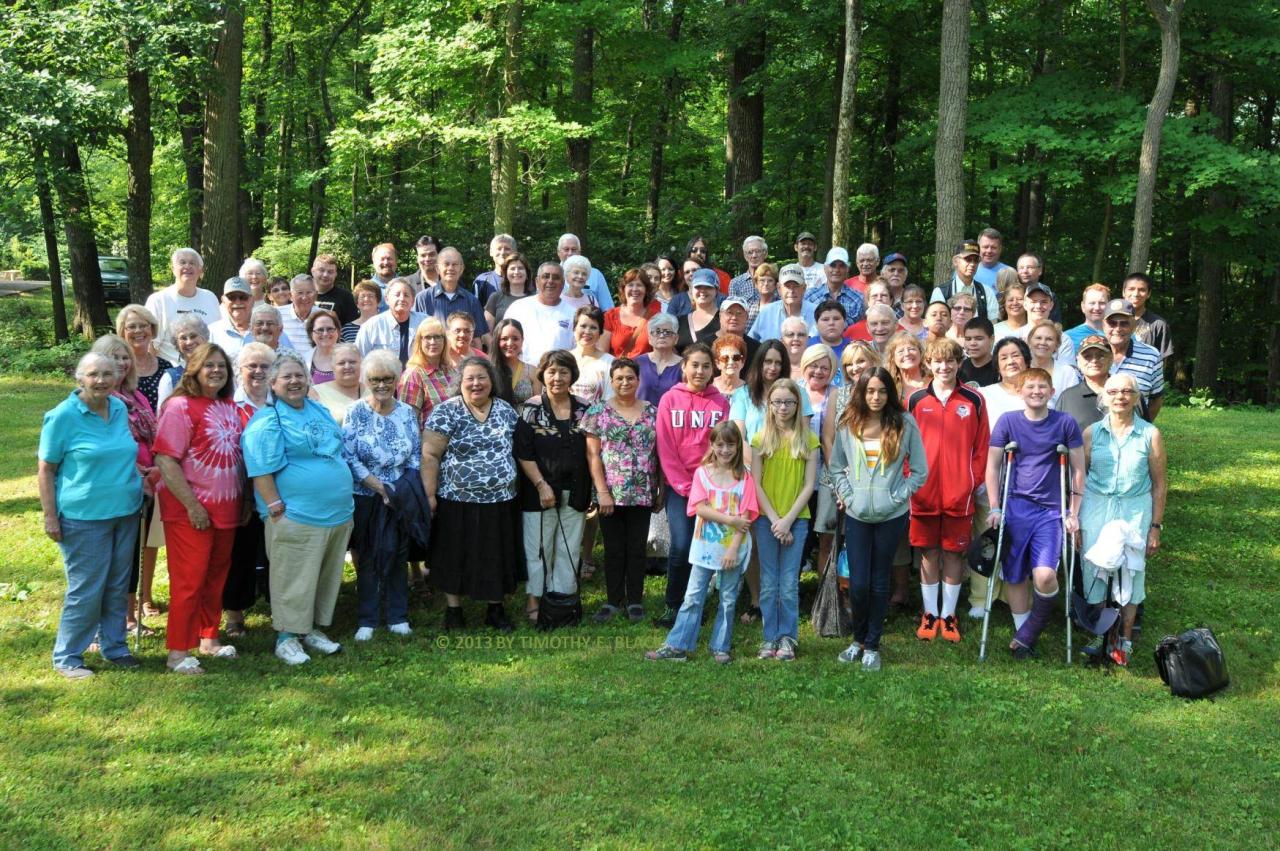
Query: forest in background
x=276, y=128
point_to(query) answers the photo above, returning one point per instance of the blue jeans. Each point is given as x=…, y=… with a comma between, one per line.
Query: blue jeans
x=780, y=579
x=98, y=556
x=681, y=525
x=870, y=548
x=684, y=635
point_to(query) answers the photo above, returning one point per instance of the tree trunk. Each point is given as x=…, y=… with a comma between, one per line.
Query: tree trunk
x=221, y=238
x=1213, y=271
x=841, y=226
x=953, y=108
x=829, y=167
x=670, y=91
x=881, y=179
x=191, y=127
x=506, y=152
x=628, y=151
x=581, y=110
x=1273, y=343
x=82, y=244
x=49, y=225
x=1144, y=200
x=744, y=146
x=257, y=159
x=139, y=148
x=282, y=215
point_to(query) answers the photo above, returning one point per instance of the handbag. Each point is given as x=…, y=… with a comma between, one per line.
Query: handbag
x=1192, y=664
x=829, y=616
x=658, y=544
x=558, y=608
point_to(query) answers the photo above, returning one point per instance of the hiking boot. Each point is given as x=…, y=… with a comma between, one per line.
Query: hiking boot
x=929, y=627
x=950, y=629
x=666, y=653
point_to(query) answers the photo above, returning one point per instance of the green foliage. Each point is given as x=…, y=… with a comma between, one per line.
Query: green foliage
x=288, y=254
x=26, y=338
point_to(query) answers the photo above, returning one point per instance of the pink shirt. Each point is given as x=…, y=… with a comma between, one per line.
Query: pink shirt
x=204, y=436
x=685, y=420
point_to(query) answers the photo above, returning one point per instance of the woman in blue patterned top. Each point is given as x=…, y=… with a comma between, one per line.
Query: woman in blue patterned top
x=469, y=474
x=380, y=443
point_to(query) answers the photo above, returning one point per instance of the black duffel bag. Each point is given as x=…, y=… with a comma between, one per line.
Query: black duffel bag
x=1192, y=664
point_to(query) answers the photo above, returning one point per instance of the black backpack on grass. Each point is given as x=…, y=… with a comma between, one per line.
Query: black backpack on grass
x=1192, y=664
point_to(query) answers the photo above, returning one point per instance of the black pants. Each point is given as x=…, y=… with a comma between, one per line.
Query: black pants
x=626, y=533
x=247, y=553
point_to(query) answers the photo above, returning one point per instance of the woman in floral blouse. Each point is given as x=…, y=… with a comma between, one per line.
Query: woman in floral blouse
x=622, y=451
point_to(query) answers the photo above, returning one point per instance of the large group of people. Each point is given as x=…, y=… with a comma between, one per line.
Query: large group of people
x=487, y=432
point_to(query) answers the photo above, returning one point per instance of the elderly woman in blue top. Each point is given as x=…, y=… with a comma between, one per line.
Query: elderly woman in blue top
x=1126, y=480
x=293, y=453
x=381, y=443
x=91, y=492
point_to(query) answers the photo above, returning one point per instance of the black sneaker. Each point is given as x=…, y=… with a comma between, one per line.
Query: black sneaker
x=125, y=662
x=605, y=614
x=453, y=618
x=497, y=618
x=635, y=614
x=1022, y=653
x=667, y=619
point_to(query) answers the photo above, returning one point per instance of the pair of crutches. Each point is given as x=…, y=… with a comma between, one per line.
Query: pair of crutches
x=1066, y=556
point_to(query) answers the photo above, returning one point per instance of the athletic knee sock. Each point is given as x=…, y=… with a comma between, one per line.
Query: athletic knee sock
x=950, y=596
x=930, y=595
x=1041, y=608
x=1019, y=619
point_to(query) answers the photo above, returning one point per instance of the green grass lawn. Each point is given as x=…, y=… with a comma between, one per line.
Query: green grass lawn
x=575, y=740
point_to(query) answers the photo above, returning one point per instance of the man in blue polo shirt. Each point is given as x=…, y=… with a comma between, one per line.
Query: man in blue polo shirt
x=448, y=297
x=990, y=245
x=1138, y=359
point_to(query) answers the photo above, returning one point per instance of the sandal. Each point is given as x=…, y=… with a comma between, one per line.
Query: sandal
x=751, y=615
x=236, y=630
x=224, y=651
x=151, y=610
x=188, y=665
x=131, y=628
x=532, y=614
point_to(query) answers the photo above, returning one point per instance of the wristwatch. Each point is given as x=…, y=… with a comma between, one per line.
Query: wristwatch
x=1159, y=526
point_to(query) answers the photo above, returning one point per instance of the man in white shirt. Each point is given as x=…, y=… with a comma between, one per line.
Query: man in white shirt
x=233, y=331
x=806, y=248
x=182, y=297
x=392, y=329
x=547, y=321
x=294, y=316
x=570, y=245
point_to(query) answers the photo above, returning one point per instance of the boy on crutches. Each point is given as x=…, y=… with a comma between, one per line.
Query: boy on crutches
x=1035, y=523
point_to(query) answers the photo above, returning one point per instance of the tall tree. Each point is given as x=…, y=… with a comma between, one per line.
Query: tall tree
x=744, y=142
x=661, y=128
x=503, y=150
x=581, y=110
x=1167, y=16
x=948, y=156
x=1213, y=269
x=220, y=239
x=139, y=150
x=82, y=242
x=841, y=225
x=49, y=224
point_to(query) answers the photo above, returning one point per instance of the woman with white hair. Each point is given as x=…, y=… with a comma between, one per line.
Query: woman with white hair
x=188, y=333
x=182, y=298
x=795, y=339
x=660, y=368
x=381, y=442
x=577, y=269
x=1125, y=480
x=254, y=271
x=90, y=492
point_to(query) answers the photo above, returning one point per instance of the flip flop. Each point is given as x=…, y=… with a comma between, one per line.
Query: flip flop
x=189, y=665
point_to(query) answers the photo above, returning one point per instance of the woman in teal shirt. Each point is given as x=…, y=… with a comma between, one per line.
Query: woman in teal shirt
x=91, y=491
x=302, y=487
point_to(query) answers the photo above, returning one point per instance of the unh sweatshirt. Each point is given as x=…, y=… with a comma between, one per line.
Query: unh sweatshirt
x=685, y=420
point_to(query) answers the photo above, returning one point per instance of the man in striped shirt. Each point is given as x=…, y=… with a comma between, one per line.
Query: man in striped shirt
x=1130, y=355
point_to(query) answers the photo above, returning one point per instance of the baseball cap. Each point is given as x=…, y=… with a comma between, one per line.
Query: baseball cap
x=1093, y=341
x=792, y=273
x=237, y=285
x=1118, y=307
x=705, y=278
x=837, y=254
x=733, y=299
x=895, y=257
x=1038, y=287
x=966, y=248
x=804, y=234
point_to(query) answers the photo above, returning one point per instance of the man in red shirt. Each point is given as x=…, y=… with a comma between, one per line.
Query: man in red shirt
x=953, y=426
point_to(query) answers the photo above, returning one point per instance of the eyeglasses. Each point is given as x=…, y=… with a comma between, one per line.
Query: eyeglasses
x=1127, y=391
x=794, y=335
x=433, y=338
x=782, y=403
x=324, y=330
x=381, y=379
x=663, y=332
x=730, y=358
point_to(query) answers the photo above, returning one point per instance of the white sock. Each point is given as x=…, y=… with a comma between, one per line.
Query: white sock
x=930, y=595
x=1020, y=619
x=950, y=596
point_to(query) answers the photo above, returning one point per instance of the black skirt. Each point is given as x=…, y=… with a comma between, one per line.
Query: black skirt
x=475, y=549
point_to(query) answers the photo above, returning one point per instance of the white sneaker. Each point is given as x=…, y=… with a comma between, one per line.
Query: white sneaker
x=400, y=629
x=850, y=653
x=976, y=612
x=321, y=643
x=291, y=652
x=870, y=660
x=364, y=633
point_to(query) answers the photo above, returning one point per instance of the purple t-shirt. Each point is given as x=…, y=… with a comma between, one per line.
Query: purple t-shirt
x=1035, y=464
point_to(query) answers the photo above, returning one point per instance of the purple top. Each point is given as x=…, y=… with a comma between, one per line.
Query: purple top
x=1035, y=463
x=653, y=385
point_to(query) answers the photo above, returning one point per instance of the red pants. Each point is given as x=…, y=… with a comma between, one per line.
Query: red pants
x=198, y=565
